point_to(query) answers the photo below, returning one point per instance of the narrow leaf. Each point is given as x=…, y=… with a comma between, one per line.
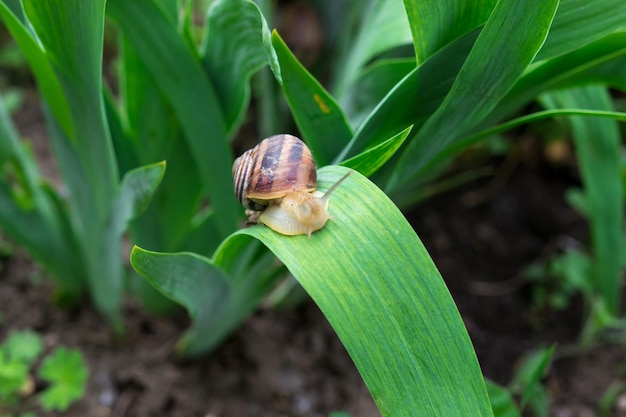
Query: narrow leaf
x=513, y=34
x=384, y=27
x=232, y=51
x=502, y=401
x=320, y=119
x=368, y=162
x=72, y=33
x=434, y=24
x=597, y=149
x=602, y=62
x=179, y=74
x=373, y=85
x=38, y=62
x=580, y=22
x=413, y=99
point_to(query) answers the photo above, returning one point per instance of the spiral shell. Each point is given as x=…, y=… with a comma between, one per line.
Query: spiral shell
x=278, y=165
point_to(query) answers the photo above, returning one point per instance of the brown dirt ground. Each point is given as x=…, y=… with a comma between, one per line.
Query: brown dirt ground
x=289, y=363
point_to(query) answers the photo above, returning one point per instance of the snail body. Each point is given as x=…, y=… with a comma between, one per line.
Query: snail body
x=278, y=178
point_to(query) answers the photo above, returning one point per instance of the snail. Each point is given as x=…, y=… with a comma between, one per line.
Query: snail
x=277, y=180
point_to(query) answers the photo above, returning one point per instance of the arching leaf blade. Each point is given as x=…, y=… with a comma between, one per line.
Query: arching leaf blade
x=376, y=284
x=373, y=279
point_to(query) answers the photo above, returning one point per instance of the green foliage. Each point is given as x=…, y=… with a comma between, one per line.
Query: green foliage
x=598, y=148
x=77, y=237
x=381, y=310
x=63, y=368
x=411, y=85
x=66, y=372
x=526, y=385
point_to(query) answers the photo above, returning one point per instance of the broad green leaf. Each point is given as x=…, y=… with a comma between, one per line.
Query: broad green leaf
x=378, y=288
x=513, y=34
x=179, y=75
x=501, y=401
x=218, y=297
x=232, y=51
x=321, y=121
x=384, y=27
x=66, y=371
x=435, y=24
x=373, y=85
x=413, y=99
x=580, y=22
x=40, y=65
x=597, y=143
x=368, y=162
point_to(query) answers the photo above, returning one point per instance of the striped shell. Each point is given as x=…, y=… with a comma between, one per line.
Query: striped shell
x=276, y=166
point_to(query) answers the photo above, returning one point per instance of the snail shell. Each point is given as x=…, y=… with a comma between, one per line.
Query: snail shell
x=278, y=165
x=277, y=179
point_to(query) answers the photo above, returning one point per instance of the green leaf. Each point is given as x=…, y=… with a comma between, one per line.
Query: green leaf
x=384, y=27
x=434, y=24
x=380, y=291
x=513, y=34
x=35, y=219
x=178, y=72
x=66, y=371
x=136, y=192
x=528, y=379
x=597, y=143
x=373, y=85
x=409, y=103
x=321, y=121
x=153, y=133
x=232, y=51
x=580, y=22
x=218, y=297
x=24, y=345
x=47, y=81
x=368, y=162
x=72, y=33
x=13, y=375
x=601, y=62
x=501, y=401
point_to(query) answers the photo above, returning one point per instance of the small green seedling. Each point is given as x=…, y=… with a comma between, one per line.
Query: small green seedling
x=63, y=369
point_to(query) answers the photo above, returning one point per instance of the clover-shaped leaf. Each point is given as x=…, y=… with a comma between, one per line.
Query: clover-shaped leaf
x=66, y=371
x=24, y=345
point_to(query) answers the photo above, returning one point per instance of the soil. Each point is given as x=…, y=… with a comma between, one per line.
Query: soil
x=481, y=235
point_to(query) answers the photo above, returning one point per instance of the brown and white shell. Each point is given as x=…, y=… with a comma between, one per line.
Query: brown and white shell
x=278, y=165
